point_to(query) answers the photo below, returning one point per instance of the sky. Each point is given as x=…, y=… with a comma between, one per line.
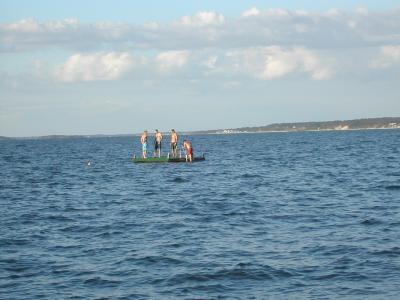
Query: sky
x=118, y=67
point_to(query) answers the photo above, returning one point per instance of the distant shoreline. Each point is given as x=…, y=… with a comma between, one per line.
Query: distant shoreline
x=297, y=131
x=338, y=125
x=327, y=126
x=283, y=131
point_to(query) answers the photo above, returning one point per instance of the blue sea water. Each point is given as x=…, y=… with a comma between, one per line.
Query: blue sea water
x=311, y=215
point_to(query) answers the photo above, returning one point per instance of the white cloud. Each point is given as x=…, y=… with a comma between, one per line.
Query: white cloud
x=278, y=64
x=273, y=62
x=362, y=11
x=265, y=44
x=110, y=30
x=26, y=34
x=151, y=25
x=211, y=61
x=203, y=18
x=276, y=12
x=389, y=56
x=206, y=29
x=334, y=13
x=32, y=26
x=392, y=52
x=251, y=12
x=24, y=25
x=263, y=63
x=171, y=60
x=94, y=67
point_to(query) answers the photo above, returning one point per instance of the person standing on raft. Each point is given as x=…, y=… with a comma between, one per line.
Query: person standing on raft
x=174, y=143
x=143, y=140
x=157, y=143
x=189, y=150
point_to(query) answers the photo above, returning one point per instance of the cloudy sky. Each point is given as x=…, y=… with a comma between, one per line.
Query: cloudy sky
x=87, y=67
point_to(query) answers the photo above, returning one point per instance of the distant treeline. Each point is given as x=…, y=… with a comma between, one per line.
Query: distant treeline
x=372, y=123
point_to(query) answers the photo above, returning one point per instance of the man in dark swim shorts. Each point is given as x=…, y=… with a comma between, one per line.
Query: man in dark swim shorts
x=157, y=143
x=174, y=143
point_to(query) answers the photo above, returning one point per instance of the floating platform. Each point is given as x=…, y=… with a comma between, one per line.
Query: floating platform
x=165, y=159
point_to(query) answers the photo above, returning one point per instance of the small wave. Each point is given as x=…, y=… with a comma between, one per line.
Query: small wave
x=343, y=263
x=240, y=272
x=8, y=260
x=73, y=228
x=132, y=296
x=154, y=259
x=14, y=242
x=333, y=250
x=227, y=195
x=17, y=269
x=8, y=158
x=101, y=282
x=233, y=213
x=209, y=288
x=73, y=209
x=393, y=252
x=375, y=208
x=64, y=247
x=85, y=273
x=175, y=245
x=340, y=149
x=59, y=218
x=30, y=215
x=370, y=222
x=30, y=221
x=108, y=234
x=59, y=270
x=392, y=224
x=354, y=195
x=393, y=174
x=149, y=193
x=261, y=184
x=250, y=176
x=393, y=187
x=179, y=180
x=325, y=276
x=350, y=276
x=9, y=285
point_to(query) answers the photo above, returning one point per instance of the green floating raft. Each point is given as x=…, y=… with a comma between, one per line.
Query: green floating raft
x=165, y=159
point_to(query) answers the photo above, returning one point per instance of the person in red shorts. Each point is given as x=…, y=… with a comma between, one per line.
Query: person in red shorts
x=189, y=150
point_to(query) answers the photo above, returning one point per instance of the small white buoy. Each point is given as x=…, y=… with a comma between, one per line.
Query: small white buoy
x=88, y=163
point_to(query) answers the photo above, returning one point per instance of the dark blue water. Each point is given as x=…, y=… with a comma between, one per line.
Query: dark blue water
x=279, y=216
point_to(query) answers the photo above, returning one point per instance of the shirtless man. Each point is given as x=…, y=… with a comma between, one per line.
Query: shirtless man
x=189, y=150
x=174, y=142
x=143, y=140
x=157, y=143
